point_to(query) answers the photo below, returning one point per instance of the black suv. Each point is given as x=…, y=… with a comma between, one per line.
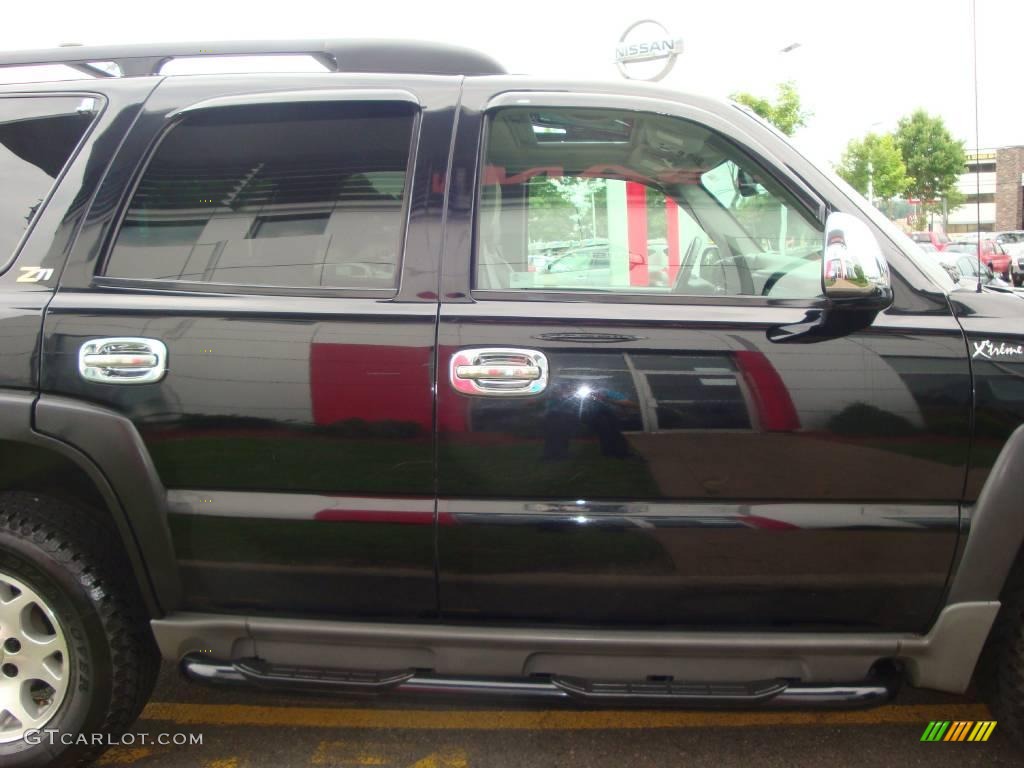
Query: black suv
x=291, y=395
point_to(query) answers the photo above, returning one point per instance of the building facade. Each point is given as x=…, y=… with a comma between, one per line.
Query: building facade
x=993, y=189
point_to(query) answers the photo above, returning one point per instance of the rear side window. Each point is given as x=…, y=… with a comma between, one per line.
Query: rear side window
x=38, y=135
x=302, y=196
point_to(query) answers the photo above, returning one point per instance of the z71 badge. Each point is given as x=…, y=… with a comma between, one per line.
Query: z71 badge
x=34, y=275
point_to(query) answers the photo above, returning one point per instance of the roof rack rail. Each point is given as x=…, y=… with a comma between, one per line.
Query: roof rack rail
x=344, y=55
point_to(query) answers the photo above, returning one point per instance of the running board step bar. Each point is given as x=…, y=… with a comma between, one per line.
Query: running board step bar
x=260, y=673
x=650, y=693
x=673, y=691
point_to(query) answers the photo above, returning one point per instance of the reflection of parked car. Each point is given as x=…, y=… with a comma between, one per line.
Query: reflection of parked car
x=581, y=266
x=963, y=268
x=992, y=254
x=541, y=255
x=591, y=266
x=1012, y=242
x=937, y=239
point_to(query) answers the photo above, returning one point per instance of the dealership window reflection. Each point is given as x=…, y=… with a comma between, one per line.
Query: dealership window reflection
x=626, y=202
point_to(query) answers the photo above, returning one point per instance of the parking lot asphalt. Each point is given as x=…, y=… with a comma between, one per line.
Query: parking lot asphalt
x=244, y=729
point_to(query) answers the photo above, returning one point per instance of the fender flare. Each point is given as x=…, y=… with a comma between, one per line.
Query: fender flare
x=946, y=657
x=996, y=530
x=107, y=448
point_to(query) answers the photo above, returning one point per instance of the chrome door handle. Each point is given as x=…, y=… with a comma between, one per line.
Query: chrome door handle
x=499, y=372
x=123, y=360
x=481, y=372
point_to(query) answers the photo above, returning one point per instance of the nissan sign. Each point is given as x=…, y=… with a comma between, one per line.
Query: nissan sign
x=646, y=51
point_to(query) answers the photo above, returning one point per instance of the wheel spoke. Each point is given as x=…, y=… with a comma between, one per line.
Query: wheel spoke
x=10, y=613
x=34, y=650
x=8, y=720
x=18, y=704
x=51, y=672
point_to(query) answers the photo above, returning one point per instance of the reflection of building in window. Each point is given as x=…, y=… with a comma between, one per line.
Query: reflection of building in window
x=701, y=390
x=689, y=392
x=290, y=226
x=650, y=392
x=315, y=201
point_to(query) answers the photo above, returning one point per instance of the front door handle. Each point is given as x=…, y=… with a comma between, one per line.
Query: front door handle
x=494, y=371
x=499, y=372
x=123, y=360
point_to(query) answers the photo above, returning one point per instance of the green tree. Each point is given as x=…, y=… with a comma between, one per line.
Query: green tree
x=876, y=157
x=551, y=209
x=567, y=207
x=934, y=159
x=785, y=114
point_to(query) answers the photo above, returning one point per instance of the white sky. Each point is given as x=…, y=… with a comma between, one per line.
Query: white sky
x=861, y=64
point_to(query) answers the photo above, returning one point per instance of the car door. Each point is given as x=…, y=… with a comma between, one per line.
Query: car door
x=658, y=448
x=255, y=289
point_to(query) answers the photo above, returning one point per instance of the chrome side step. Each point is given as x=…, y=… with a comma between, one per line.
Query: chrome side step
x=671, y=691
x=650, y=693
x=259, y=673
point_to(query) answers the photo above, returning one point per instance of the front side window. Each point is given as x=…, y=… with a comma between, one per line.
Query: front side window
x=38, y=135
x=626, y=202
x=305, y=196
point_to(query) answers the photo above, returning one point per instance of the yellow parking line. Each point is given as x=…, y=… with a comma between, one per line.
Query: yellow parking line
x=543, y=720
x=348, y=754
x=125, y=756
x=358, y=754
x=449, y=758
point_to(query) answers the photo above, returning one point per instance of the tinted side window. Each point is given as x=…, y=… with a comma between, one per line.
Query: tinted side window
x=37, y=137
x=308, y=195
x=631, y=202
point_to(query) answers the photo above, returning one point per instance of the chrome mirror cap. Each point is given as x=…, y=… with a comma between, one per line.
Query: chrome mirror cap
x=854, y=270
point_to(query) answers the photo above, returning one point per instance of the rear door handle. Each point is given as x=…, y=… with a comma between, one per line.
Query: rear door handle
x=499, y=372
x=123, y=360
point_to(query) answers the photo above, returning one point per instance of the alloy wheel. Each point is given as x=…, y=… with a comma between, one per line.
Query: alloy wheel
x=34, y=662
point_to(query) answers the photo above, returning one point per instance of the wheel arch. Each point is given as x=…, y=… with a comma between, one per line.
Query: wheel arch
x=945, y=659
x=58, y=459
x=996, y=533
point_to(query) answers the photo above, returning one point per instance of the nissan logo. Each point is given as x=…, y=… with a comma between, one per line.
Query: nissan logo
x=646, y=51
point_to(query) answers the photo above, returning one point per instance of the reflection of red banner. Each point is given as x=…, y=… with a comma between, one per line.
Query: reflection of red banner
x=385, y=517
x=374, y=383
x=452, y=408
x=497, y=174
x=377, y=516
x=672, y=235
x=636, y=216
x=775, y=408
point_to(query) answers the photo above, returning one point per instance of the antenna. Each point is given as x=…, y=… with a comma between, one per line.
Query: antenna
x=977, y=141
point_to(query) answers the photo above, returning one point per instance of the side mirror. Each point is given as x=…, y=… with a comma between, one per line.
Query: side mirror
x=854, y=272
x=745, y=183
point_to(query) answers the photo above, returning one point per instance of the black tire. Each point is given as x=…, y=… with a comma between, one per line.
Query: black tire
x=71, y=561
x=1001, y=669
